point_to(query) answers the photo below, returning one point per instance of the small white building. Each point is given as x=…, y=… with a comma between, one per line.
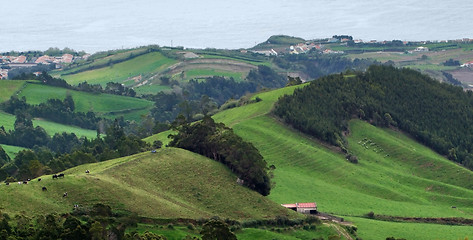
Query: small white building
x=306, y=208
x=422, y=49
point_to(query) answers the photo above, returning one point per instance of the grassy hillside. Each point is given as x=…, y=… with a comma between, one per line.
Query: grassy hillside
x=106, y=105
x=171, y=183
x=8, y=121
x=395, y=176
x=8, y=88
x=121, y=72
x=11, y=150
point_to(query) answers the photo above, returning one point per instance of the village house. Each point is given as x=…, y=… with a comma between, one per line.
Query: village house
x=306, y=208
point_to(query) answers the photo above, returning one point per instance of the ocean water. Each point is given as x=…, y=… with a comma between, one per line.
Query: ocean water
x=97, y=25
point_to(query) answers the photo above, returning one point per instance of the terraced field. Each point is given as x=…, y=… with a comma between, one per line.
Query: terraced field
x=107, y=105
x=122, y=72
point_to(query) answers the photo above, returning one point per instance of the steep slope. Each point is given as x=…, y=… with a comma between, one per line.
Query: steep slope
x=171, y=183
x=395, y=175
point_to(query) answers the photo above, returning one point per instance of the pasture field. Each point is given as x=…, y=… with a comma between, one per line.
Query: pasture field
x=11, y=150
x=373, y=229
x=179, y=232
x=8, y=88
x=172, y=183
x=8, y=122
x=395, y=175
x=144, y=64
x=256, y=63
x=107, y=105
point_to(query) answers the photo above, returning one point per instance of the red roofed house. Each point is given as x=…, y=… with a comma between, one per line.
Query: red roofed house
x=67, y=58
x=307, y=208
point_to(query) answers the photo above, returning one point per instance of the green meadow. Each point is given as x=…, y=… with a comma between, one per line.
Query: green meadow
x=395, y=175
x=145, y=64
x=11, y=150
x=102, y=104
x=8, y=88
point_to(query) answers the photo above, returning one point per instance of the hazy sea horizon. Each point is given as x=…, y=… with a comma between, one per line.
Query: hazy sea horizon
x=99, y=25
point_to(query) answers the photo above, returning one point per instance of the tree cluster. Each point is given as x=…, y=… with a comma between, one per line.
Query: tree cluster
x=218, y=142
x=96, y=222
x=436, y=114
x=316, y=65
x=197, y=98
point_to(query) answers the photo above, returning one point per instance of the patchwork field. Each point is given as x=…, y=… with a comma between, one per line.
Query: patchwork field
x=124, y=71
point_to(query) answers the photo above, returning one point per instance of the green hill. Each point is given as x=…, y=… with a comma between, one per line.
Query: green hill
x=105, y=105
x=171, y=183
x=411, y=181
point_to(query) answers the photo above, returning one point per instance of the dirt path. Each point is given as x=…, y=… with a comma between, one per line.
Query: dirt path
x=341, y=231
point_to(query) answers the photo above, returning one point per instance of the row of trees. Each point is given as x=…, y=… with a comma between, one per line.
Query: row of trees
x=218, y=142
x=436, y=114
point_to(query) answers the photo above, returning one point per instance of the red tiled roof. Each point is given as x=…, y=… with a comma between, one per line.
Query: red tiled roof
x=307, y=205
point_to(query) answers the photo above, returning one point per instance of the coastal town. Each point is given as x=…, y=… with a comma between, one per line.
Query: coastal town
x=8, y=62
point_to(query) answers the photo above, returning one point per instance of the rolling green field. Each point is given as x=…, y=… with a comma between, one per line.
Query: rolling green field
x=395, y=175
x=8, y=88
x=8, y=122
x=171, y=183
x=120, y=72
x=102, y=104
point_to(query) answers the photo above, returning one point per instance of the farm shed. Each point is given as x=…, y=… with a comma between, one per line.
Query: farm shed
x=307, y=208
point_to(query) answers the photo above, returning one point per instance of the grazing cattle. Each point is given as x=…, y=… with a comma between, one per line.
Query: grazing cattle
x=7, y=183
x=55, y=176
x=64, y=195
x=60, y=175
x=44, y=189
x=87, y=171
x=19, y=183
x=39, y=179
x=25, y=182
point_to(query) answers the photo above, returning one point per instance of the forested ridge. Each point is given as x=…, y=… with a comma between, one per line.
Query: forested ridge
x=436, y=114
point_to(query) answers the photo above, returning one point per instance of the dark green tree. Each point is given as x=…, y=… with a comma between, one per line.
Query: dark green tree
x=216, y=230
